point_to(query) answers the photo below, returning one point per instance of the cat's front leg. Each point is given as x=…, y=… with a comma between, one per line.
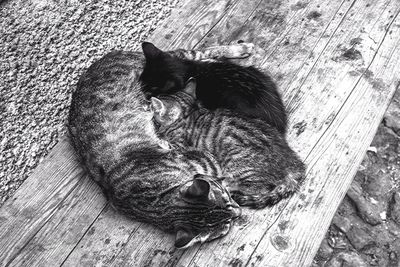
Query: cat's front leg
x=233, y=51
x=256, y=59
x=241, y=53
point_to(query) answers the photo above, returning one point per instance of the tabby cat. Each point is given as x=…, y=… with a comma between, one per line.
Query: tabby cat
x=111, y=128
x=220, y=84
x=258, y=165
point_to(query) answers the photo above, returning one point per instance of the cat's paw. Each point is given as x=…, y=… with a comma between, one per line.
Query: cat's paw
x=242, y=49
x=238, y=50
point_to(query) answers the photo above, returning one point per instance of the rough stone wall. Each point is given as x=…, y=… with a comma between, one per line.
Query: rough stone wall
x=45, y=46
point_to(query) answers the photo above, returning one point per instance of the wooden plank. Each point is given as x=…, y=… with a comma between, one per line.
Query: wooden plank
x=328, y=74
x=281, y=24
x=350, y=149
x=334, y=160
x=37, y=200
x=104, y=240
x=54, y=241
x=148, y=247
x=190, y=23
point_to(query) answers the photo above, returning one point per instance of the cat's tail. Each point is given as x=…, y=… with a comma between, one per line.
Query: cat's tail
x=283, y=190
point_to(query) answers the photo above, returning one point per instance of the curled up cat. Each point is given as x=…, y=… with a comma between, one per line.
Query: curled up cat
x=259, y=167
x=111, y=128
x=220, y=84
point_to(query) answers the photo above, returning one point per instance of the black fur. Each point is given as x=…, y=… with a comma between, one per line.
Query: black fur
x=220, y=84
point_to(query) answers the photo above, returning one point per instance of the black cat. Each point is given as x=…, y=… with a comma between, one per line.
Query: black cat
x=220, y=84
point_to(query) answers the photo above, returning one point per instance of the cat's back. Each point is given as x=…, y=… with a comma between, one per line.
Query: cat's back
x=114, y=68
x=243, y=89
x=107, y=115
x=229, y=122
x=228, y=134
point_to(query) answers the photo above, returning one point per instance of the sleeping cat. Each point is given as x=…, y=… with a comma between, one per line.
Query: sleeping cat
x=220, y=84
x=258, y=165
x=111, y=129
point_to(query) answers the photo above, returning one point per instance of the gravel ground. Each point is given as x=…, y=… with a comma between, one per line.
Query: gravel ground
x=45, y=45
x=365, y=230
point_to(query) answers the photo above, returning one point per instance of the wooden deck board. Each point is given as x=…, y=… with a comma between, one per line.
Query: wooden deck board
x=102, y=244
x=335, y=107
x=37, y=200
x=62, y=231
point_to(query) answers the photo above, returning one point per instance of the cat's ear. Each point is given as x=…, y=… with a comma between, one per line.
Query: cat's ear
x=184, y=239
x=150, y=51
x=200, y=188
x=157, y=106
x=190, y=87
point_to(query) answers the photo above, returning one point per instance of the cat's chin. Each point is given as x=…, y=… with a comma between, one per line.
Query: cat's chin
x=222, y=231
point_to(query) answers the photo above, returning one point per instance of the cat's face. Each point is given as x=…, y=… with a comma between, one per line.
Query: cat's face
x=209, y=213
x=162, y=73
x=166, y=110
x=170, y=109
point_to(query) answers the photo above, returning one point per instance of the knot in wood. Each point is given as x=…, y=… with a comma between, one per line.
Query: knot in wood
x=280, y=242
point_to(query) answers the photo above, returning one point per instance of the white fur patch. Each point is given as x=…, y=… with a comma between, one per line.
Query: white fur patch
x=164, y=145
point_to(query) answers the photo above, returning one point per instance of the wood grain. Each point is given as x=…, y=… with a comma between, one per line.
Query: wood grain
x=190, y=23
x=22, y=216
x=335, y=63
x=336, y=155
x=54, y=241
x=106, y=237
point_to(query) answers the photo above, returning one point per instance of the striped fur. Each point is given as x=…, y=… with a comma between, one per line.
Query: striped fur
x=258, y=165
x=111, y=129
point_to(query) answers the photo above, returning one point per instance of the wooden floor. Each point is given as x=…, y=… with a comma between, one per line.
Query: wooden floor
x=337, y=64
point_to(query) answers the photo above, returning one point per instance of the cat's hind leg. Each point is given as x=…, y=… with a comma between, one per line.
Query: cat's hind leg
x=258, y=195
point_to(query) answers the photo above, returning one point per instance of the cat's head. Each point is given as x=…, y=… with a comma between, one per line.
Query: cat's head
x=170, y=108
x=208, y=212
x=162, y=73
